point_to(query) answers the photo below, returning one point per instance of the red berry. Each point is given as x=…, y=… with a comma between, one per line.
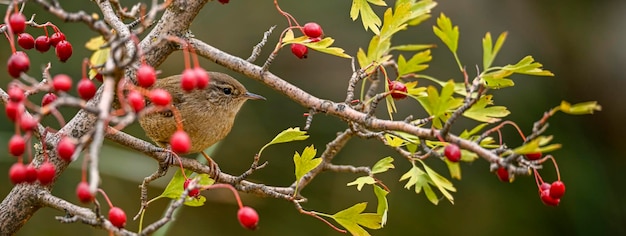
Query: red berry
x=299, y=50
x=17, y=145
x=315, y=40
x=86, y=89
x=533, y=156
x=192, y=193
x=202, y=78
x=180, y=142
x=136, y=101
x=27, y=122
x=45, y=174
x=83, y=193
x=16, y=94
x=48, y=98
x=398, y=89
x=146, y=76
x=160, y=97
x=503, y=174
x=17, y=23
x=452, y=152
x=312, y=30
x=18, y=63
x=98, y=76
x=17, y=173
x=26, y=41
x=547, y=199
x=62, y=82
x=42, y=43
x=557, y=189
x=545, y=186
x=12, y=109
x=31, y=174
x=248, y=218
x=56, y=38
x=117, y=216
x=223, y=1
x=65, y=148
x=188, y=80
x=63, y=50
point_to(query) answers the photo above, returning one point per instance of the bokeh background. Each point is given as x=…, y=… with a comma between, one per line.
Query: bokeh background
x=582, y=42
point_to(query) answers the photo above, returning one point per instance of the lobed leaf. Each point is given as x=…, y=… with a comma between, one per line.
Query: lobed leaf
x=580, y=108
x=362, y=181
x=480, y=112
x=288, y=135
x=352, y=219
x=383, y=165
x=368, y=17
x=305, y=162
x=447, y=33
x=490, y=51
x=415, y=64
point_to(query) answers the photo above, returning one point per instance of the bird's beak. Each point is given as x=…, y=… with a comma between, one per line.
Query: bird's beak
x=253, y=96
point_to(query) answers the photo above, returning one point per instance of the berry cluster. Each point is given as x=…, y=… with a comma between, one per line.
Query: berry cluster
x=550, y=194
x=315, y=34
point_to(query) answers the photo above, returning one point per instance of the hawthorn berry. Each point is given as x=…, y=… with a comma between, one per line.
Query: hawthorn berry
x=398, y=89
x=16, y=94
x=17, y=173
x=188, y=80
x=117, y=216
x=27, y=122
x=503, y=174
x=136, y=100
x=146, y=76
x=42, y=43
x=86, y=89
x=98, y=76
x=544, y=186
x=312, y=30
x=547, y=199
x=223, y=1
x=160, y=97
x=31, y=174
x=18, y=63
x=17, y=22
x=202, y=78
x=557, y=189
x=26, y=41
x=299, y=50
x=62, y=82
x=180, y=142
x=56, y=38
x=65, y=148
x=63, y=50
x=452, y=152
x=45, y=174
x=17, y=145
x=192, y=193
x=48, y=98
x=83, y=193
x=533, y=156
x=248, y=218
x=12, y=109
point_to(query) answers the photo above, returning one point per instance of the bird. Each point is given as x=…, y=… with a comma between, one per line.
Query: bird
x=207, y=114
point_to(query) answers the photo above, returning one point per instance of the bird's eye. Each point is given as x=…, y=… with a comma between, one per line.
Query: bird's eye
x=227, y=91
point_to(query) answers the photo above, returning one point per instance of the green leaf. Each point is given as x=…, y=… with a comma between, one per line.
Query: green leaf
x=446, y=32
x=175, y=188
x=440, y=105
x=393, y=141
x=383, y=206
x=420, y=180
x=321, y=46
x=580, y=108
x=413, y=90
x=288, y=135
x=394, y=21
x=383, y=165
x=415, y=64
x=454, y=168
x=443, y=184
x=480, y=112
x=412, y=47
x=537, y=145
x=490, y=51
x=362, y=181
x=352, y=219
x=467, y=134
x=368, y=17
x=528, y=66
x=305, y=162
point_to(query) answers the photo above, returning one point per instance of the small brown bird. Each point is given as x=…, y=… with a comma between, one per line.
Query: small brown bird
x=207, y=114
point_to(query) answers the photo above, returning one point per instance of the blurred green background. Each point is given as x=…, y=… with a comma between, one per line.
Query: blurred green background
x=582, y=42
